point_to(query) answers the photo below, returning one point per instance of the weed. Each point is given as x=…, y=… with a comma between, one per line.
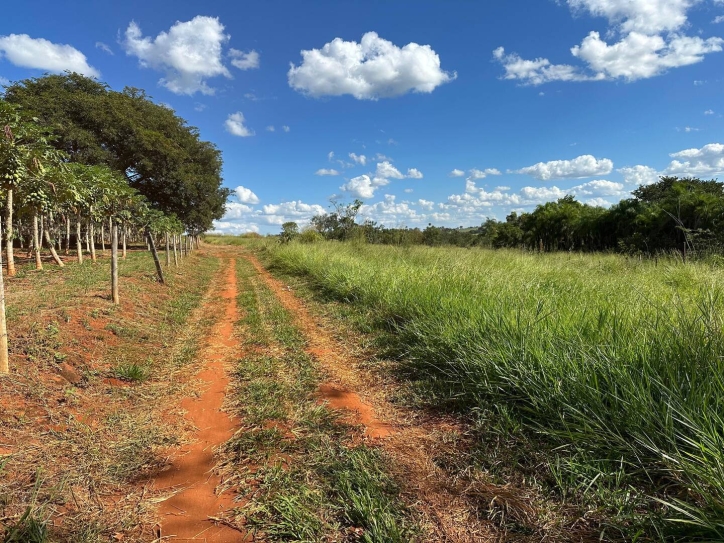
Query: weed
x=132, y=372
x=28, y=529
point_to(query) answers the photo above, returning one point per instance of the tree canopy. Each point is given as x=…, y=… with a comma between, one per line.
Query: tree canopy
x=159, y=153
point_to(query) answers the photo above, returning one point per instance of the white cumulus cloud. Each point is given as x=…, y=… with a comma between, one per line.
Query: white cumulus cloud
x=244, y=61
x=41, y=54
x=390, y=212
x=235, y=125
x=482, y=174
x=708, y=160
x=359, y=159
x=456, y=173
x=649, y=43
x=245, y=195
x=537, y=71
x=364, y=186
x=388, y=171
x=414, y=173
x=231, y=227
x=648, y=16
x=294, y=209
x=639, y=175
x=236, y=211
x=600, y=188
x=326, y=171
x=582, y=166
x=640, y=56
x=189, y=53
x=371, y=69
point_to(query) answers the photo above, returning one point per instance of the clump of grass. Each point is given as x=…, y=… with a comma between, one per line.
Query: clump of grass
x=28, y=529
x=136, y=373
x=614, y=362
x=360, y=482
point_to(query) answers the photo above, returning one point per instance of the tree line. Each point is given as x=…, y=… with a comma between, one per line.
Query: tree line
x=673, y=214
x=82, y=166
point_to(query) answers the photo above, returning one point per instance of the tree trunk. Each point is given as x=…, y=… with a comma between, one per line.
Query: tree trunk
x=9, y=235
x=87, y=242
x=51, y=245
x=4, y=364
x=67, y=235
x=92, y=239
x=125, y=228
x=78, y=240
x=159, y=271
x=114, y=263
x=42, y=227
x=168, y=251
x=36, y=242
x=175, y=255
x=103, y=237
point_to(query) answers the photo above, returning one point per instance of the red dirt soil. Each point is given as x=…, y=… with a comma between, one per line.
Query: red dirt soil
x=191, y=513
x=340, y=398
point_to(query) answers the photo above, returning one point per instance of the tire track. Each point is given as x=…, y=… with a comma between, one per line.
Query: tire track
x=191, y=513
x=450, y=513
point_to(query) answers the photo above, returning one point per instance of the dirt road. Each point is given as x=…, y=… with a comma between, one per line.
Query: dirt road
x=189, y=515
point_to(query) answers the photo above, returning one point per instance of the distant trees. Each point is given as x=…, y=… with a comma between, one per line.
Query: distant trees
x=290, y=230
x=339, y=223
x=683, y=214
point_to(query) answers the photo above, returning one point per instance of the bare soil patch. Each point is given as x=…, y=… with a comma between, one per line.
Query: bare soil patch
x=194, y=511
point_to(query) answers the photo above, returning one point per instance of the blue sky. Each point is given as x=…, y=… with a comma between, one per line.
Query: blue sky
x=462, y=110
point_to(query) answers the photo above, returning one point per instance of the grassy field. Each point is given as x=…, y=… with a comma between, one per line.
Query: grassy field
x=614, y=364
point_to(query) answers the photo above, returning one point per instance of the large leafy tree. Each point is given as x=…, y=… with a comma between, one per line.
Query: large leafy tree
x=158, y=152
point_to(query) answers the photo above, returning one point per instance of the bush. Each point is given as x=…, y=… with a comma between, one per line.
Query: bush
x=310, y=236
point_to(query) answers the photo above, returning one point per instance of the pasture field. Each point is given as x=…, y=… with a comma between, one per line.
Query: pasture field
x=611, y=367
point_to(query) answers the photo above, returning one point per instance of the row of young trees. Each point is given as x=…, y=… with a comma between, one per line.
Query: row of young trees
x=686, y=215
x=82, y=165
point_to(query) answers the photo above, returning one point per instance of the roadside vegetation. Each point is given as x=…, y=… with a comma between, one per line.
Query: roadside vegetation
x=612, y=365
x=83, y=412
x=304, y=474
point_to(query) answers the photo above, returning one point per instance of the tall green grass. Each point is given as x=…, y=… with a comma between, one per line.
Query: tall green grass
x=616, y=361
